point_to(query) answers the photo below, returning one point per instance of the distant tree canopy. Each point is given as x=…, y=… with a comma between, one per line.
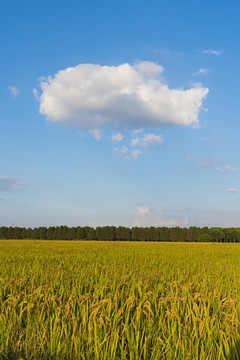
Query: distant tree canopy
x=205, y=238
x=121, y=233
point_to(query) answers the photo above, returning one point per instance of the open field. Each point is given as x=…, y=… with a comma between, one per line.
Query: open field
x=113, y=300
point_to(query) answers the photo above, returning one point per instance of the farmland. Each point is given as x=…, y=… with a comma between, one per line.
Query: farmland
x=119, y=300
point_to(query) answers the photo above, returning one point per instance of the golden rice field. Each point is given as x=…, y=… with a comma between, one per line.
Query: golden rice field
x=112, y=300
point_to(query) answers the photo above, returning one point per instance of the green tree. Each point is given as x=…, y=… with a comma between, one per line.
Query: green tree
x=4, y=232
x=151, y=231
x=42, y=232
x=87, y=229
x=216, y=233
x=135, y=233
x=205, y=238
x=80, y=233
x=175, y=233
x=50, y=233
x=62, y=232
x=17, y=232
x=164, y=234
x=72, y=233
x=156, y=234
x=122, y=233
x=91, y=234
x=30, y=233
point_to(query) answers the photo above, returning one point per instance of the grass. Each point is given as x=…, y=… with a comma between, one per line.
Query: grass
x=113, y=300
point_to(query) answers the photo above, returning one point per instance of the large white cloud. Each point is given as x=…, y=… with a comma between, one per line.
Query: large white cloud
x=90, y=96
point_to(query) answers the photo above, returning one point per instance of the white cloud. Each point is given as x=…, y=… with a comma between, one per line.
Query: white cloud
x=96, y=134
x=91, y=96
x=148, y=216
x=213, y=52
x=147, y=140
x=36, y=94
x=204, y=164
x=201, y=164
x=234, y=210
x=202, y=72
x=218, y=169
x=134, y=141
x=10, y=182
x=135, y=154
x=13, y=91
x=160, y=221
x=150, y=140
x=232, y=190
x=167, y=52
x=142, y=210
x=136, y=132
x=117, y=137
x=121, y=151
x=124, y=149
x=231, y=168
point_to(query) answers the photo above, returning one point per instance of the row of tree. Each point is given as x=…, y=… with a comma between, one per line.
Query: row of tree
x=121, y=233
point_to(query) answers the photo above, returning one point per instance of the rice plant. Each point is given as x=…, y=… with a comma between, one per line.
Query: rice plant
x=119, y=300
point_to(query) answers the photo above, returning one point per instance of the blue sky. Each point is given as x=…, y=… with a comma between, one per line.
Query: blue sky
x=119, y=113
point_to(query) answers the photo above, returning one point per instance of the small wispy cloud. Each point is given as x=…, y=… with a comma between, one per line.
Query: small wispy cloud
x=121, y=151
x=14, y=91
x=203, y=138
x=202, y=72
x=212, y=51
x=167, y=52
x=117, y=137
x=203, y=164
x=232, y=190
x=124, y=149
x=183, y=209
x=147, y=140
x=136, y=132
x=231, y=168
x=211, y=163
x=218, y=169
x=135, y=154
x=96, y=134
x=135, y=141
x=142, y=210
x=148, y=216
x=160, y=221
x=234, y=210
x=36, y=94
x=10, y=183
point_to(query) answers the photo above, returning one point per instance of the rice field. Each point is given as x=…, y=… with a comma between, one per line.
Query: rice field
x=119, y=300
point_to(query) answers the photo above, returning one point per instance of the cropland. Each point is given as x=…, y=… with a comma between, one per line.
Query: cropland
x=119, y=300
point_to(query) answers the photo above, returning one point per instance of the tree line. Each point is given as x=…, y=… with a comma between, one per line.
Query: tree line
x=121, y=233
